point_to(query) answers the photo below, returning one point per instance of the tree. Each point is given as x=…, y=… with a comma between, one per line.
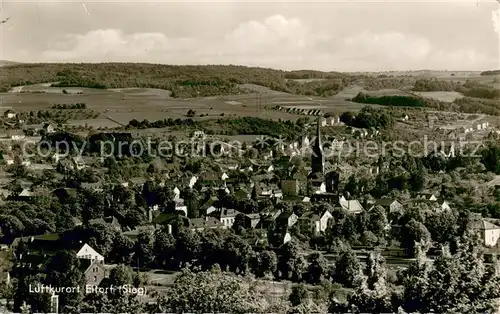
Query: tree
x=298, y=295
x=377, y=221
x=347, y=269
x=239, y=224
x=265, y=264
x=213, y=291
x=121, y=275
x=144, y=249
x=318, y=268
x=191, y=113
x=290, y=263
x=164, y=248
x=64, y=271
x=454, y=283
x=412, y=233
x=371, y=295
x=347, y=117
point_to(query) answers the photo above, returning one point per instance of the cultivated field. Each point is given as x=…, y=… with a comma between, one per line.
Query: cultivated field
x=118, y=106
x=441, y=96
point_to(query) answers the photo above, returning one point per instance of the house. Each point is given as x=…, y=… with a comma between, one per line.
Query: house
x=57, y=157
x=279, y=238
x=9, y=114
x=25, y=195
x=78, y=163
x=16, y=135
x=192, y=181
x=8, y=160
x=93, y=271
x=323, y=222
x=318, y=186
x=179, y=206
x=427, y=196
x=390, y=205
x=330, y=121
x=177, y=193
x=489, y=232
x=87, y=252
x=226, y=216
x=286, y=219
x=352, y=206
x=76, y=221
x=443, y=205
x=251, y=220
x=110, y=221
x=48, y=128
x=318, y=223
x=199, y=224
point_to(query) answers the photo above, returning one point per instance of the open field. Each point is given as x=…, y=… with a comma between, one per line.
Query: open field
x=441, y=96
x=123, y=105
x=118, y=106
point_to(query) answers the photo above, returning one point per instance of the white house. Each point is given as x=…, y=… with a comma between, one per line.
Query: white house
x=9, y=114
x=177, y=193
x=180, y=206
x=78, y=163
x=16, y=135
x=353, y=206
x=192, y=182
x=56, y=157
x=224, y=177
x=87, y=252
x=490, y=233
x=227, y=217
x=318, y=187
x=8, y=160
x=287, y=238
x=322, y=224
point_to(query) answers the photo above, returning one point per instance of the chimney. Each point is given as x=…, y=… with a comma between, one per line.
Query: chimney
x=169, y=229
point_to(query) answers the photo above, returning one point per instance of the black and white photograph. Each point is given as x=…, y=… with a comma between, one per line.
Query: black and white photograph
x=239, y=156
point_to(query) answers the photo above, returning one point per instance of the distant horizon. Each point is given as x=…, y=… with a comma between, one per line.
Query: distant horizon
x=249, y=66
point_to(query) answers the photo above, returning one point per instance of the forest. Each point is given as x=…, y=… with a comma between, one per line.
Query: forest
x=182, y=81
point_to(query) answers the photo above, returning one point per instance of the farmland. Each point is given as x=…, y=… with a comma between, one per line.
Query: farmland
x=250, y=96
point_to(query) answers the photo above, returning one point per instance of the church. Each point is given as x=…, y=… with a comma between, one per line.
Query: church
x=321, y=181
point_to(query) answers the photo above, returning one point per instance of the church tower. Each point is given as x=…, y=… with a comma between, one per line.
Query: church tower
x=318, y=159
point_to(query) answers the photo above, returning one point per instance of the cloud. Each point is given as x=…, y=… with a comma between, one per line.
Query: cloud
x=276, y=41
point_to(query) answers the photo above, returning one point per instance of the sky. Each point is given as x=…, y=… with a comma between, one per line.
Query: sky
x=327, y=35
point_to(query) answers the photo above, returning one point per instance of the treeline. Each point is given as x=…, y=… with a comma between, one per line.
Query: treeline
x=69, y=106
x=367, y=118
x=491, y=72
x=435, y=85
x=408, y=101
x=182, y=81
x=258, y=126
x=145, y=124
x=322, y=88
x=309, y=74
x=372, y=84
x=470, y=89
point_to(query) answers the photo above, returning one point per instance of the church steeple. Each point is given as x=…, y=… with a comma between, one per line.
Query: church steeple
x=318, y=159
